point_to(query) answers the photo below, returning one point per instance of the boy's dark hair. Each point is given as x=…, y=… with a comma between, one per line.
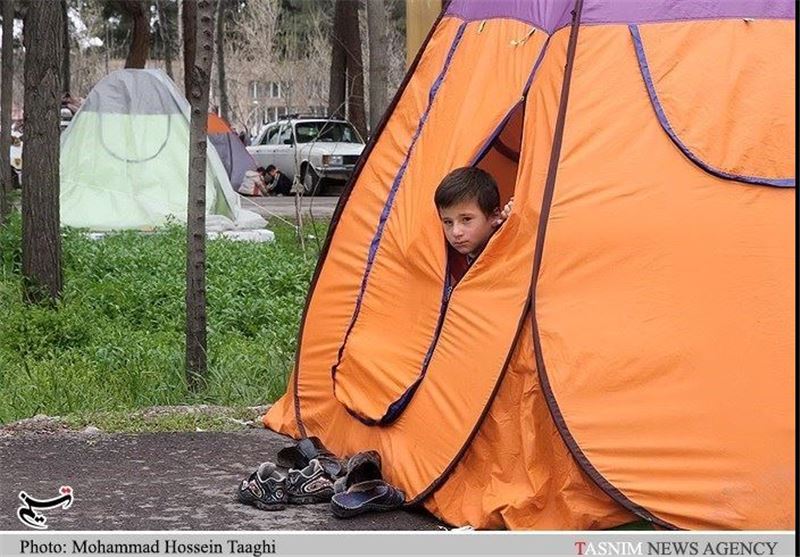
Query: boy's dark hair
x=465, y=184
x=270, y=168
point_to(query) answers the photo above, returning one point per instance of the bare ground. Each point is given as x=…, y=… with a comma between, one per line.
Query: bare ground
x=158, y=481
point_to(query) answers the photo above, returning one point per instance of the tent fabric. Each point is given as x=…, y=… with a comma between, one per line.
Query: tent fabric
x=125, y=158
x=235, y=158
x=624, y=346
x=682, y=89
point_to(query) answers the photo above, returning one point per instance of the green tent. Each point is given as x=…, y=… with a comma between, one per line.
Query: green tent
x=125, y=156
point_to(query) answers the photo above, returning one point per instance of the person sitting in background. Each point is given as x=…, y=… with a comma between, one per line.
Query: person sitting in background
x=278, y=184
x=253, y=184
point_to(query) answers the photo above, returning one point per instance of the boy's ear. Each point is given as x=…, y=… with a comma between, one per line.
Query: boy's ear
x=496, y=220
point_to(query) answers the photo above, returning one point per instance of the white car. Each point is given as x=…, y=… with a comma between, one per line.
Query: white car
x=15, y=157
x=310, y=148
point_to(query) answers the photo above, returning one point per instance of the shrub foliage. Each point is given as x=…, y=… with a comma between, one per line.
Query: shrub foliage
x=116, y=340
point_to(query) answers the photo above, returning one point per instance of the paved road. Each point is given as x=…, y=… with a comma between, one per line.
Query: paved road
x=284, y=207
x=160, y=481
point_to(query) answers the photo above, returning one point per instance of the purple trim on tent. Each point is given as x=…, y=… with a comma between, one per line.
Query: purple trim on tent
x=664, y=121
x=376, y=240
x=551, y=15
x=547, y=15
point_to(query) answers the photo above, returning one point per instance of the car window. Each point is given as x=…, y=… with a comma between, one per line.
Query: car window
x=271, y=137
x=326, y=132
x=285, y=134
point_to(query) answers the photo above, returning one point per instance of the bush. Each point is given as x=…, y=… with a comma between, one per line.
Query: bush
x=116, y=339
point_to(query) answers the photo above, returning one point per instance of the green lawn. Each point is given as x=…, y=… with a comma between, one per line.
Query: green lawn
x=116, y=341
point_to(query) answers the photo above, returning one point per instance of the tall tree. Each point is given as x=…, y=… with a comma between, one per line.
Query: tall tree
x=166, y=36
x=41, y=240
x=338, y=78
x=189, y=25
x=65, y=66
x=355, y=68
x=345, y=35
x=179, y=23
x=378, y=61
x=224, y=105
x=7, y=76
x=139, y=50
x=199, y=79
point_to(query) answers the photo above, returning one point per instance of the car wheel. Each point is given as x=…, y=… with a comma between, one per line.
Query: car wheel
x=310, y=180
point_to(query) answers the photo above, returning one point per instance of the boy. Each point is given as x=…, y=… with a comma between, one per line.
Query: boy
x=468, y=202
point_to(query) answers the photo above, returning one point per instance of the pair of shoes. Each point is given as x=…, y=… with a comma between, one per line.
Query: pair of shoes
x=269, y=490
x=363, y=488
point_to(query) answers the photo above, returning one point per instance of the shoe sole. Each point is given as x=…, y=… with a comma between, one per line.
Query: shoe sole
x=260, y=504
x=309, y=499
x=269, y=506
x=344, y=512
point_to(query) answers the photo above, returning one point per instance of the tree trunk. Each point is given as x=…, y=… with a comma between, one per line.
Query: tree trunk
x=140, y=40
x=7, y=76
x=378, y=67
x=199, y=79
x=41, y=240
x=189, y=20
x=65, y=66
x=224, y=106
x=338, y=78
x=355, y=68
x=166, y=37
x=179, y=25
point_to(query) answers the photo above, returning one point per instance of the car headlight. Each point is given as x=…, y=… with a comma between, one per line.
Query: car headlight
x=332, y=160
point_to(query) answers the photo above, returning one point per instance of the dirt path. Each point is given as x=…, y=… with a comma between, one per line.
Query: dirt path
x=159, y=481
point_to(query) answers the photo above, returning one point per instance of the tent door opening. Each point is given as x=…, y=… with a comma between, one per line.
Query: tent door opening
x=500, y=154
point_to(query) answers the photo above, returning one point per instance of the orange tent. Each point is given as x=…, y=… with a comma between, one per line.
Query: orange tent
x=624, y=346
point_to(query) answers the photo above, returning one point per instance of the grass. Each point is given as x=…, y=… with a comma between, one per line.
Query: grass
x=221, y=419
x=115, y=342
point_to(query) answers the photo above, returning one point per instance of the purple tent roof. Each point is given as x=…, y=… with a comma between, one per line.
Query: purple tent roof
x=550, y=15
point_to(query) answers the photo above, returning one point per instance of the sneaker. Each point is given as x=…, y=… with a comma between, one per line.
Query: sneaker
x=298, y=455
x=312, y=484
x=264, y=489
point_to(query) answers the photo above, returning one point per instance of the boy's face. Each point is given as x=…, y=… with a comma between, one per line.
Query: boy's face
x=466, y=227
